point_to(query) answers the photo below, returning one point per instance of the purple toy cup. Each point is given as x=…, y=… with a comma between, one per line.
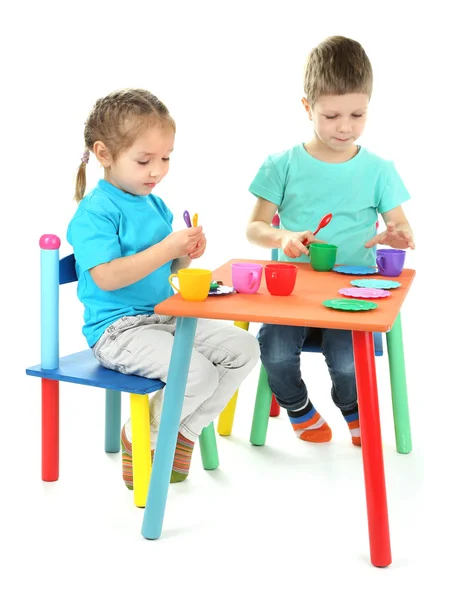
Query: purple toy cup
x=390, y=262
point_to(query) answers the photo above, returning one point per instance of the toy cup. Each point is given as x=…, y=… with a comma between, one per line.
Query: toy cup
x=280, y=278
x=322, y=256
x=246, y=277
x=194, y=284
x=390, y=262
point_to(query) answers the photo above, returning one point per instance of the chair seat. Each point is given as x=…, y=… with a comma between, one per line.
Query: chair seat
x=83, y=368
x=313, y=344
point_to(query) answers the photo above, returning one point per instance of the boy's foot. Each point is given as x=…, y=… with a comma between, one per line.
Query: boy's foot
x=352, y=418
x=309, y=425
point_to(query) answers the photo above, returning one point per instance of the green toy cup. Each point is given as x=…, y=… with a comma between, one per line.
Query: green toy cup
x=322, y=256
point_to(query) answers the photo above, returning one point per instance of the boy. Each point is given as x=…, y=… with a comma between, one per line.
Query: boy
x=330, y=173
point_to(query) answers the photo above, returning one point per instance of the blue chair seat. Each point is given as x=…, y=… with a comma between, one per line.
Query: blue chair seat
x=83, y=368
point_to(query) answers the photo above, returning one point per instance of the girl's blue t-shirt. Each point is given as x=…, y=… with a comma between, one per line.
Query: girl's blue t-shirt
x=110, y=224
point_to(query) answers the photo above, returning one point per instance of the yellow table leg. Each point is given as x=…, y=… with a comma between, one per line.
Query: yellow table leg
x=225, y=421
x=141, y=454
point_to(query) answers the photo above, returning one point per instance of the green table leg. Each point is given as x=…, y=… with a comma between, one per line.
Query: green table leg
x=208, y=448
x=261, y=410
x=399, y=387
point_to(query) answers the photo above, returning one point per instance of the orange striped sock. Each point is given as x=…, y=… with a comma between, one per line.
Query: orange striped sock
x=309, y=425
x=181, y=461
x=352, y=418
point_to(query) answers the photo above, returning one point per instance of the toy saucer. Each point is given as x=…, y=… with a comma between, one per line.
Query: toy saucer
x=362, y=292
x=378, y=284
x=346, y=304
x=355, y=270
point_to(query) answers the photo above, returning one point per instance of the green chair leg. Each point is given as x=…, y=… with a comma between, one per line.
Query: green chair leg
x=399, y=387
x=208, y=448
x=112, y=421
x=261, y=410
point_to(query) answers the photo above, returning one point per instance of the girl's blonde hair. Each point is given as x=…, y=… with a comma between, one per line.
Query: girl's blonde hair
x=117, y=120
x=337, y=66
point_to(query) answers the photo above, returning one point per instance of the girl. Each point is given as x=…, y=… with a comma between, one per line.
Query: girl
x=125, y=251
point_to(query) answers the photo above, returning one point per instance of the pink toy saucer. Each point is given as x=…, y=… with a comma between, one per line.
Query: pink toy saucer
x=356, y=292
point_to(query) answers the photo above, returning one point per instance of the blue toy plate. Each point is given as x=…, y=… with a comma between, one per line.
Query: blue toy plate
x=355, y=270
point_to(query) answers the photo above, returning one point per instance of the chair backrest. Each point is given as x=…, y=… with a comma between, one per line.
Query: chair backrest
x=67, y=269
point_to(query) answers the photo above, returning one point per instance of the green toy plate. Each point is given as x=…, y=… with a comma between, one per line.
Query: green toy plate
x=345, y=304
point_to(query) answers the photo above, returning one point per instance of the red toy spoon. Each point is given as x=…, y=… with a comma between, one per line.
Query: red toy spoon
x=324, y=222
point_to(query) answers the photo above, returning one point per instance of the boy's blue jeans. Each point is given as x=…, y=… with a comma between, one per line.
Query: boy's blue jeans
x=280, y=348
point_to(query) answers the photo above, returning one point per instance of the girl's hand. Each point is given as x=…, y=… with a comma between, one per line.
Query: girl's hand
x=184, y=242
x=200, y=248
x=400, y=238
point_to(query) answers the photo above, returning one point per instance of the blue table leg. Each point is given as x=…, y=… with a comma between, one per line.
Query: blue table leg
x=168, y=428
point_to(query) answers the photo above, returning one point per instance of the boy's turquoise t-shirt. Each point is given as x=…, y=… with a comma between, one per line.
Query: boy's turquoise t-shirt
x=305, y=189
x=110, y=224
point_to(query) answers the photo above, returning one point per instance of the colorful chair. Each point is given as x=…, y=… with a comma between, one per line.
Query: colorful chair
x=83, y=368
x=266, y=404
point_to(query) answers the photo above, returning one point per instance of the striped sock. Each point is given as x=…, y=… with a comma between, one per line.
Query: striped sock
x=352, y=418
x=126, y=459
x=181, y=461
x=309, y=425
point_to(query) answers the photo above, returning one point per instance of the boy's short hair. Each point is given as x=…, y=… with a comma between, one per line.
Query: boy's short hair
x=337, y=66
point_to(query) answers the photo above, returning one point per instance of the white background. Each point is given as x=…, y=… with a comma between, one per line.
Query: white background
x=231, y=75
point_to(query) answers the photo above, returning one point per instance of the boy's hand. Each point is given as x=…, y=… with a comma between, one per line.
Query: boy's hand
x=183, y=242
x=200, y=248
x=400, y=238
x=294, y=243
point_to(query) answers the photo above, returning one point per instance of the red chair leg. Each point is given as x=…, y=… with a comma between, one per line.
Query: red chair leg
x=50, y=429
x=275, y=409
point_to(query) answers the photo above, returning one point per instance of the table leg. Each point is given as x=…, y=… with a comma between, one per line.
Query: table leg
x=168, y=428
x=398, y=379
x=374, y=473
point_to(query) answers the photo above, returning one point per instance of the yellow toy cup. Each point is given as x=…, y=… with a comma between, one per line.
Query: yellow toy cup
x=194, y=283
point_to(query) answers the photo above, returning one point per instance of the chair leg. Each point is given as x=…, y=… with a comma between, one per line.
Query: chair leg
x=261, y=410
x=275, y=409
x=112, y=421
x=141, y=455
x=225, y=420
x=399, y=388
x=208, y=448
x=50, y=430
